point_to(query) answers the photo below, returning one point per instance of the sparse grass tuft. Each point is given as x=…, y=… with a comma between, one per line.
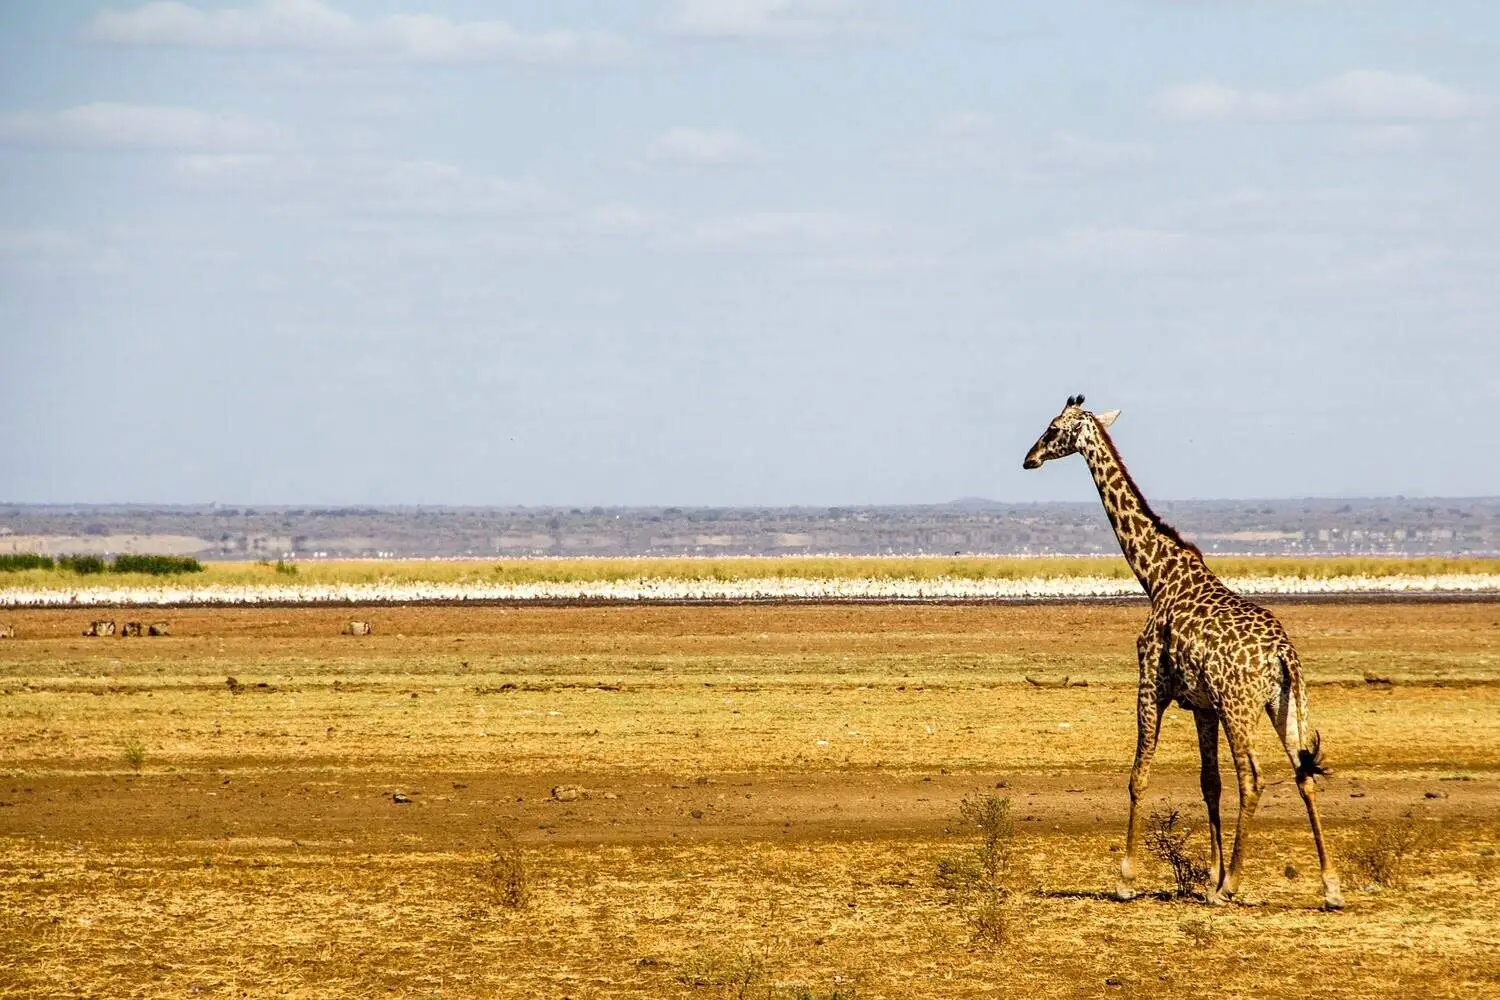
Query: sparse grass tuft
x=134, y=752
x=1167, y=839
x=506, y=872
x=977, y=881
x=284, y=568
x=1200, y=930
x=1382, y=853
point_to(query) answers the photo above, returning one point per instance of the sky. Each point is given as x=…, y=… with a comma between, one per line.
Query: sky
x=745, y=252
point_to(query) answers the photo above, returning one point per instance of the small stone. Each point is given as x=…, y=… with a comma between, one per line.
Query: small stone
x=1290, y=871
x=1435, y=795
x=1114, y=981
x=400, y=798
x=566, y=793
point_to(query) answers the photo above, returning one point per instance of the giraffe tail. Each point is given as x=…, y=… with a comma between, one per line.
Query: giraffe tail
x=1309, y=748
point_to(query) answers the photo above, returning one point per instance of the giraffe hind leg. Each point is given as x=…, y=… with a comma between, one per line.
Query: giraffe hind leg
x=1306, y=764
x=1247, y=770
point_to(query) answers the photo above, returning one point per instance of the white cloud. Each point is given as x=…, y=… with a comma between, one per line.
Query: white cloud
x=1117, y=244
x=966, y=124
x=704, y=148
x=1387, y=139
x=366, y=188
x=978, y=140
x=617, y=219
x=871, y=267
x=773, y=20
x=106, y=125
x=1359, y=95
x=769, y=230
x=313, y=25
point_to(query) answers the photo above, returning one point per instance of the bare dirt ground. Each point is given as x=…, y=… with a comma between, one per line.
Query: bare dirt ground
x=706, y=801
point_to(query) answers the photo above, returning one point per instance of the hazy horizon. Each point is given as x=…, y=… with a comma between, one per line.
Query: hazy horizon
x=744, y=253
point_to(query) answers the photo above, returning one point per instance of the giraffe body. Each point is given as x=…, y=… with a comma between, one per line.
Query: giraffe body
x=1214, y=653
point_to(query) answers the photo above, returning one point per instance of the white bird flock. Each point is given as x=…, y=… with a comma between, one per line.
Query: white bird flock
x=769, y=589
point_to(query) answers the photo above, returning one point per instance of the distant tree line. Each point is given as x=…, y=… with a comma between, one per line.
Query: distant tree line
x=124, y=563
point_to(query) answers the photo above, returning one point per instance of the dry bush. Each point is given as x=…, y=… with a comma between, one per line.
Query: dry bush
x=731, y=973
x=505, y=872
x=1167, y=839
x=977, y=881
x=134, y=752
x=1383, y=852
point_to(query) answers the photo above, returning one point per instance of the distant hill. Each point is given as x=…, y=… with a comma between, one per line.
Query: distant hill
x=969, y=525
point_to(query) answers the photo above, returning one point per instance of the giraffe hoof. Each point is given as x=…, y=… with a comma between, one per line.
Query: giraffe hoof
x=1333, y=899
x=1124, y=893
x=1213, y=899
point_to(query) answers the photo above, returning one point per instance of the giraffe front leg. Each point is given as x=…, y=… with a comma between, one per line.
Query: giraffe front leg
x=1207, y=721
x=1148, y=729
x=1247, y=769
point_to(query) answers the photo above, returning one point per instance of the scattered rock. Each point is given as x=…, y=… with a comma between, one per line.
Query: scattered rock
x=566, y=793
x=1045, y=682
x=1113, y=981
x=696, y=813
x=357, y=628
x=400, y=798
x=1377, y=679
x=100, y=628
x=158, y=628
x=1435, y=795
x=7, y=632
x=132, y=629
x=1356, y=795
x=1290, y=871
x=233, y=684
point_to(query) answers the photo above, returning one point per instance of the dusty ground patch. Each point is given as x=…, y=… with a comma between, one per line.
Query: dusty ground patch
x=763, y=794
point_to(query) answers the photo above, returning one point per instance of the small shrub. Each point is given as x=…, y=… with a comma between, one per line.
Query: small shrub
x=977, y=881
x=1382, y=852
x=1200, y=930
x=15, y=562
x=285, y=568
x=506, y=872
x=82, y=565
x=1167, y=839
x=733, y=974
x=156, y=565
x=134, y=752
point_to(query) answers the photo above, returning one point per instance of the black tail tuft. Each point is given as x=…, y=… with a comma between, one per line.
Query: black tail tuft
x=1310, y=762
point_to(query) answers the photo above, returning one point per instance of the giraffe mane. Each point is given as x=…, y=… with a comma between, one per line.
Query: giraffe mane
x=1156, y=522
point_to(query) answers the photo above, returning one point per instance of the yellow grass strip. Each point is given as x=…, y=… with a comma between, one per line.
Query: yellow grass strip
x=591, y=570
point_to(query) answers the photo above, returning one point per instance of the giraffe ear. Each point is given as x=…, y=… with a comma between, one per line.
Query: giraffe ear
x=1107, y=417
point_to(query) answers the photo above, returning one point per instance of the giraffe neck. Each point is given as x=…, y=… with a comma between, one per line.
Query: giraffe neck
x=1155, y=552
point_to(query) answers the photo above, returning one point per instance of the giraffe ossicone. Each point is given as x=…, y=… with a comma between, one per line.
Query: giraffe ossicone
x=1222, y=657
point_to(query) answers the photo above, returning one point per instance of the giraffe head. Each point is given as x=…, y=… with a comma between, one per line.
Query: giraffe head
x=1064, y=434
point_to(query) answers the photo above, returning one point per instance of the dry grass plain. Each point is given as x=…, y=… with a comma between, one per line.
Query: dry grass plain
x=763, y=794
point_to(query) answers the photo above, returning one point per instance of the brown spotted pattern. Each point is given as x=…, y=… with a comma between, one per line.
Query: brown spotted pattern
x=1214, y=653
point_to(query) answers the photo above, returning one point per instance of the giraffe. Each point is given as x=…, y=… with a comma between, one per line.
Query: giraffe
x=1204, y=647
